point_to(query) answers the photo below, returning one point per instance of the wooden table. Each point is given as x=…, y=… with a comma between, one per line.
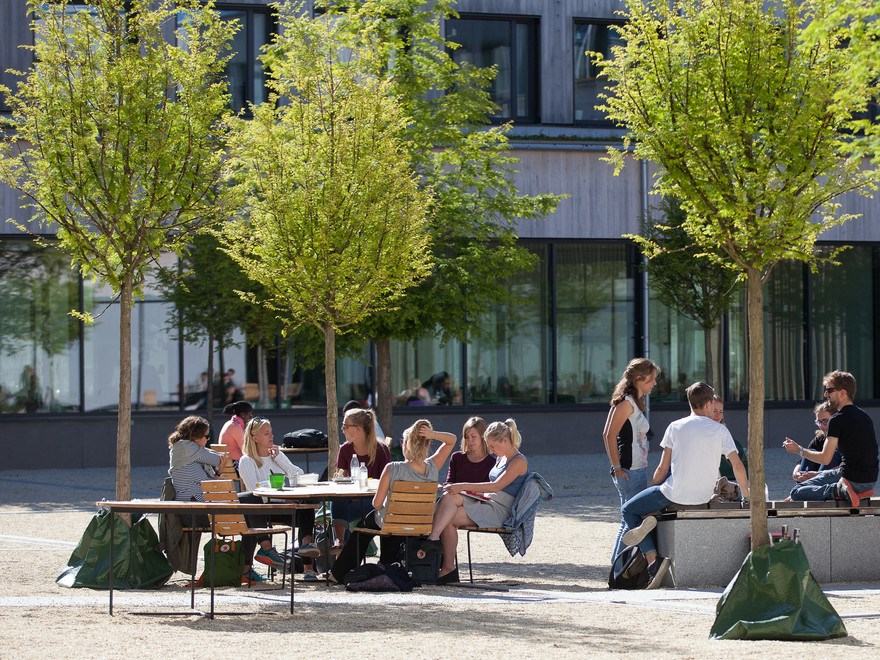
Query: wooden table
x=192, y=509
x=293, y=451
x=324, y=491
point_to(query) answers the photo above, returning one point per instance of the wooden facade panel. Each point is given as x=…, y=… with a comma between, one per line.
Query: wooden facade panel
x=14, y=30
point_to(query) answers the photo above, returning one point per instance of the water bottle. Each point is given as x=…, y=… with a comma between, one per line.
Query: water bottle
x=355, y=466
x=362, y=477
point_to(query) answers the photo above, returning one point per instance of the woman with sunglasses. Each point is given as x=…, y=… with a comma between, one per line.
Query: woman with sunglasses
x=261, y=458
x=359, y=429
x=806, y=469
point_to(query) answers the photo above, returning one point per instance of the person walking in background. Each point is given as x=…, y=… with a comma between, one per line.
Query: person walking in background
x=626, y=434
x=851, y=430
x=805, y=469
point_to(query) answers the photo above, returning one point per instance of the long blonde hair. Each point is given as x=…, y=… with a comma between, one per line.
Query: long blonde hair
x=479, y=424
x=505, y=429
x=249, y=446
x=415, y=447
x=366, y=420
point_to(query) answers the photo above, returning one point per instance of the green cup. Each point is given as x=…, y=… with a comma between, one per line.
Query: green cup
x=276, y=481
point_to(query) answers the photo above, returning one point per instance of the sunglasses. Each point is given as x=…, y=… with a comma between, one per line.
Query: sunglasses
x=829, y=390
x=821, y=422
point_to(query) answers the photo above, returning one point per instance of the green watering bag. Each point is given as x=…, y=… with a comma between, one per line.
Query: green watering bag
x=228, y=563
x=137, y=560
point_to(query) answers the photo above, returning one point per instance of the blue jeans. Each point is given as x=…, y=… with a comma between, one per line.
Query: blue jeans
x=649, y=501
x=627, y=488
x=822, y=487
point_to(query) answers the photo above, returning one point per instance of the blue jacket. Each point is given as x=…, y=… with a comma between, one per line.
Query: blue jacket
x=522, y=514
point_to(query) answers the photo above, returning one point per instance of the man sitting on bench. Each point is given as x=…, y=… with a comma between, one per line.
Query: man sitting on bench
x=851, y=430
x=692, y=448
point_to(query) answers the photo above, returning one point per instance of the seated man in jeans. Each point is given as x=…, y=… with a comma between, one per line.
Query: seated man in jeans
x=851, y=430
x=692, y=448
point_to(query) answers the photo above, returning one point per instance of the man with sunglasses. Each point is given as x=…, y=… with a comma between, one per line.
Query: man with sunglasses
x=850, y=430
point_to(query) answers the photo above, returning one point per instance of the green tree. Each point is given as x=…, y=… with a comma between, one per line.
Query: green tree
x=115, y=142
x=684, y=278
x=745, y=120
x=336, y=225
x=464, y=162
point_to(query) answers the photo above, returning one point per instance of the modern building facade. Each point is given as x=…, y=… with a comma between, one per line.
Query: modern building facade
x=551, y=362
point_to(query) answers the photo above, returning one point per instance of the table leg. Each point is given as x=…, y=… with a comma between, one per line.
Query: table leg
x=213, y=550
x=292, y=558
x=110, y=576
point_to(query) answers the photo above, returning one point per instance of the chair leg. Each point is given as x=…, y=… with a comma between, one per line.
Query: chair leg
x=470, y=564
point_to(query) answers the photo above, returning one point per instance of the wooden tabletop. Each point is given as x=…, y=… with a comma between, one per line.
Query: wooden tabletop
x=171, y=506
x=302, y=450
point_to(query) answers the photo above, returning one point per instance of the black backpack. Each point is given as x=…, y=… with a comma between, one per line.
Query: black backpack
x=629, y=570
x=305, y=439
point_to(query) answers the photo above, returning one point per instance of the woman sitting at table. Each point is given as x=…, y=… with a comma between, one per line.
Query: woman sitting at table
x=232, y=433
x=418, y=466
x=261, y=458
x=473, y=462
x=191, y=464
x=359, y=428
x=457, y=509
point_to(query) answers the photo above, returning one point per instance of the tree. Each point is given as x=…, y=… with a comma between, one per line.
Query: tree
x=115, y=142
x=684, y=278
x=335, y=225
x=206, y=305
x=745, y=119
x=466, y=165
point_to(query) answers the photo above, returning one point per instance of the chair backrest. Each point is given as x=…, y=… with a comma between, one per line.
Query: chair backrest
x=223, y=490
x=410, y=510
x=229, y=471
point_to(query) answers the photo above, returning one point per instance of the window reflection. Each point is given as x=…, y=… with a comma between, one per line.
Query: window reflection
x=594, y=37
x=247, y=79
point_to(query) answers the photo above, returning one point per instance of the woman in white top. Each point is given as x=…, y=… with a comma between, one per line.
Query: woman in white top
x=260, y=458
x=418, y=466
x=626, y=434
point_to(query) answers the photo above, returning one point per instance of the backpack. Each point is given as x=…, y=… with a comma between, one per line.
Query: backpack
x=305, y=439
x=629, y=570
x=379, y=578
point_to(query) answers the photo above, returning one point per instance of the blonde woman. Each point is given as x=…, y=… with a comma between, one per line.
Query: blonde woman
x=359, y=429
x=417, y=466
x=473, y=462
x=260, y=458
x=492, y=501
x=626, y=434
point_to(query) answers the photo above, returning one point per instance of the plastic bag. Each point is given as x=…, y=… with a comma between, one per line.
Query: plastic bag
x=775, y=596
x=137, y=561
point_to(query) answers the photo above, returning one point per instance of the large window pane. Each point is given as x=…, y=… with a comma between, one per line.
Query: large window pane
x=594, y=315
x=425, y=373
x=230, y=373
x=784, y=333
x=510, y=364
x=511, y=47
x=39, y=341
x=247, y=79
x=594, y=37
x=843, y=320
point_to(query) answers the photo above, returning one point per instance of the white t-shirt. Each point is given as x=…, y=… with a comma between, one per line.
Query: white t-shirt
x=697, y=444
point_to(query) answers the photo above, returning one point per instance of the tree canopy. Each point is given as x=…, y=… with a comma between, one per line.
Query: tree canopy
x=334, y=222
x=115, y=142
x=746, y=119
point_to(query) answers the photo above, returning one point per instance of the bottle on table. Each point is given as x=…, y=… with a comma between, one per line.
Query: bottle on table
x=362, y=476
x=355, y=466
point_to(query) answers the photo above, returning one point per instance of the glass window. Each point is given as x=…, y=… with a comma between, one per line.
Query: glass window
x=230, y=374
x=784, y=368
x=509, y=363
x=843, y=320
x=511, y=46
x=39, y=340
x=247, y=79
x=594, y=317
x=426, y=373
x=594, y=37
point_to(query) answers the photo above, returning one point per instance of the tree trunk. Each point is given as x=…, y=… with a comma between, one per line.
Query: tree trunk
x=209, y=390
x=384, y=397
x=332, y=403
x=262, y=377
x=708, y=355
x=123, y=422
x=758, y=507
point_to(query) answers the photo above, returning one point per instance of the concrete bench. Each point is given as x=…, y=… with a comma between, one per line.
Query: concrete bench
x=707, y=544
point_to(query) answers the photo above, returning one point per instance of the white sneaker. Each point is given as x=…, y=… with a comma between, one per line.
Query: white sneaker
x=657, y=570
x=636, y=535
x=310, y=576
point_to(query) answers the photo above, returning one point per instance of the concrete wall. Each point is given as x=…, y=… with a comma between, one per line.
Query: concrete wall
x=78, y=441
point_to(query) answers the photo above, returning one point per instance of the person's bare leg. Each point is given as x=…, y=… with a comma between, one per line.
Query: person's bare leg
x=449, y=538
x=449, y=504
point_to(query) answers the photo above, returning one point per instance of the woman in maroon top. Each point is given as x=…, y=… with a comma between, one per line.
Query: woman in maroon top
x=473, y=462
x=359, y=428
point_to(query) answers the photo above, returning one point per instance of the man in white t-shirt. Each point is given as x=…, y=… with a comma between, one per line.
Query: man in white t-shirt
x=692, y=448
